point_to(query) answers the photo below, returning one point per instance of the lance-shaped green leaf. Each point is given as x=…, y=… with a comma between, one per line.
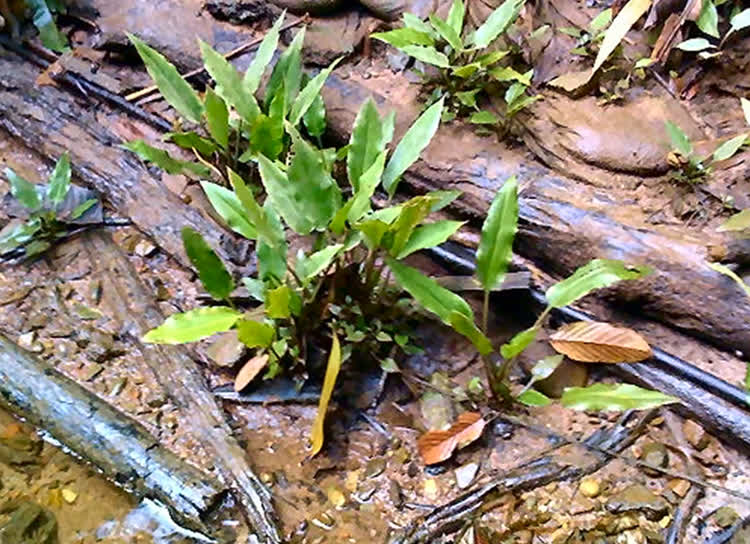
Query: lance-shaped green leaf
x=428, y=293
x=497, y=23
x=533, y=397
x=315, y=117
x=594, y=275
x=465, y=325
x=272, y=259
x=230, y=209
x=309, y=267
x=309, y=93
x=498, y=232
x=430, y=235
x=708, y=20
x=193, y=325
x=729, y=148
x=306, y=196
x=228, y=83
x=544, y=368
x=402, y=37
x=518, y=343
x=368, y=182
x=254, y=213
x=738, y=222
x=679, y=140
x=24, y=191
x=263, y=57
x=43, y=20
x=211, y=270
x=446, y=32
x=217, y=117
x=456, y=16
x=192, y=140
x=616, y=397
x=175, y=90
x=412, y=213
x=427, y=54
x=277, y=302
x=20, y=235
x=59, y=181
x=287, y=73
x=415, y=23
x=411, y=146
x=740, y=21
x=367, y=142
x=164, y=160
x=255, y=334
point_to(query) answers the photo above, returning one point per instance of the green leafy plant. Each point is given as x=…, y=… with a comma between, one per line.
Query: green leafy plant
x=48, y=215
x=589, y=39
x=41, y=14
x=708, y=24
x=336, y=286
x=688, y=167
x=493, y=259
x=465, y=66
x=230, y=125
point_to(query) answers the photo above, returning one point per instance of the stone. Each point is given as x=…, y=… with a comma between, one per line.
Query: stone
x=678, y=487
x=654, y=453
x=466, y=474
x=725, y=517
x=590, y=487
x=226, y=350
x=375, y=467
x=430, y=488
x=638, y=497
x=695, y=434
x=144, y=248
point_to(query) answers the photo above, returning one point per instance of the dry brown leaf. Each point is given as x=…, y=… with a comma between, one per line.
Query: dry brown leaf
x=437, y=446
x=248, y=372
x=592, y=342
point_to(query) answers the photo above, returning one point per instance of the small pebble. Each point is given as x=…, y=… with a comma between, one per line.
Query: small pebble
x=590, y=487
x=375, y=467
x=69, y=495
x=466, y=474
x=336, y=497
x=430, y=488
x=695, y=434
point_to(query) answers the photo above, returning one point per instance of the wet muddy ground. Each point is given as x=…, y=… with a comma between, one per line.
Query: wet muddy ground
x=369, y=481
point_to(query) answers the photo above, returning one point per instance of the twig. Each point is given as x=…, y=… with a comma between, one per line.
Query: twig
x=232, y=54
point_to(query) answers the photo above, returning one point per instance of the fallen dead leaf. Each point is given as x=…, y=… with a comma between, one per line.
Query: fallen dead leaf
x=249, y=371
x=437, y=446
x=593, y=342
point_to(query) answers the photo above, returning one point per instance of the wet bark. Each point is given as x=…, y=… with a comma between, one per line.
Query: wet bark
x=120, y=447
x=132, y=305
x=565, y=223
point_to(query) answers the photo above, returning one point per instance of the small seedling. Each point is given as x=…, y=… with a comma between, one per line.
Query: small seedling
x=48, y=215
x=464, y=67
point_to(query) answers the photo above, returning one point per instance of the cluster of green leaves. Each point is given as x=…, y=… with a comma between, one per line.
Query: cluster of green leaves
x=46, y=222
x=493, y=260
x=230, y=126
x=337, y=287
x=689, y=167
x=708, y=24
x=465, y=65
x=40, y=12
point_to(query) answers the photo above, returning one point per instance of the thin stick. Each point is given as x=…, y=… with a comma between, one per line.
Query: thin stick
x=232, y=54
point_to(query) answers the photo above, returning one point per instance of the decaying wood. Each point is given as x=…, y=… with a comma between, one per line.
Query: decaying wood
x=133, y=306
x=120, y=447
x=527, y=476
x=565, y=223
x=50, y=121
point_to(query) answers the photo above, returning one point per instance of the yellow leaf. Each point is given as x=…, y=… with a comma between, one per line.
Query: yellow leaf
x=624, y=21
x=592, y=342
x=332, y=372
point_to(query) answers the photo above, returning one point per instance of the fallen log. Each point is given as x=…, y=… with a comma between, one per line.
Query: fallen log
x=133, y=307
x=121, y=448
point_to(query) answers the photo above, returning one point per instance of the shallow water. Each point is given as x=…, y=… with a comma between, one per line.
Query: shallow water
x=86, y=507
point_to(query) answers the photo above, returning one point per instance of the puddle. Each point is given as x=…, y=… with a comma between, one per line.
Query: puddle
x=48, y=497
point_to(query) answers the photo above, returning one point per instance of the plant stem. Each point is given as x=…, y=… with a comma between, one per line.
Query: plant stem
x=508, y=363
x=485, y=311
